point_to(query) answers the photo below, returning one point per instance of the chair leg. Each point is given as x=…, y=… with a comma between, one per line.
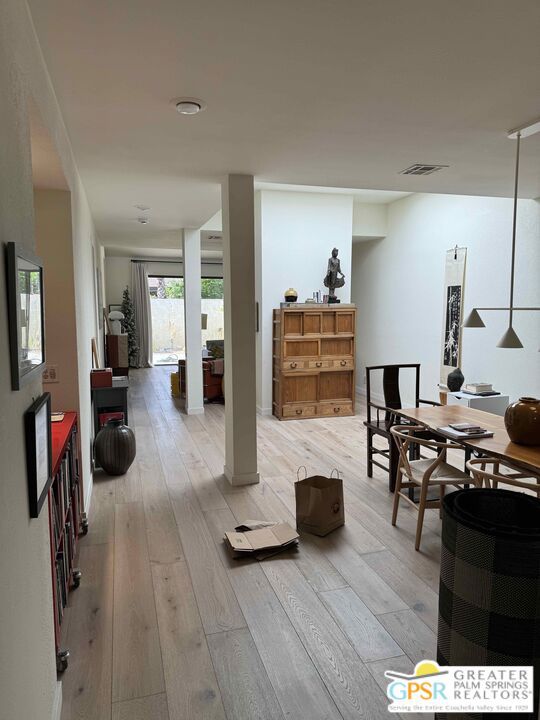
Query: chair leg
x=442, y=492
x=397, y=489
x=421, y=510
x=494, y=482
x=393, y=464
x=369, y=453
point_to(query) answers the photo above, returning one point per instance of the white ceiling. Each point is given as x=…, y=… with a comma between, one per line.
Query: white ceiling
x=167, y=245
x=377, y=197
x=307, y=92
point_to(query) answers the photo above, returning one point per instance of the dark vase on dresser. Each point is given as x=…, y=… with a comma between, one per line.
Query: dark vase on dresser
x=455, y=380
x=115, y=447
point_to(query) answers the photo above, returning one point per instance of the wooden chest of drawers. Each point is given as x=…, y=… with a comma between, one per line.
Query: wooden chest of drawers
x=313, y=361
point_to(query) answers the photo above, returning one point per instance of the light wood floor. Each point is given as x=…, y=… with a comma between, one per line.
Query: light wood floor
x=166, y=626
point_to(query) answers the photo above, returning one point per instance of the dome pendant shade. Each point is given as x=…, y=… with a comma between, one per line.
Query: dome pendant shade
x=473, y=320
x=510, y=340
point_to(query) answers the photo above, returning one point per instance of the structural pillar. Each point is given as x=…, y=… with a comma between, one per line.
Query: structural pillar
x=239, y=303
x=191, y=257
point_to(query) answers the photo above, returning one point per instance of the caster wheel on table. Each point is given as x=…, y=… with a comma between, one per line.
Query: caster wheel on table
x=76, y=575
x=84, y=526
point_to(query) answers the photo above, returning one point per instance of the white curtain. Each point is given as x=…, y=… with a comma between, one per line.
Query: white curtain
x=142, y=312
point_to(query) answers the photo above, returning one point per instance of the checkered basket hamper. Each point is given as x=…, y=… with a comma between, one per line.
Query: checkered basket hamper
x=489, y=599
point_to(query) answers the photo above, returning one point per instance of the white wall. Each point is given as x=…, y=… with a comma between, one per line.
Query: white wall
x=370, y=220
x=54, y=245
x=28, y=685
x=118, y=274
x=294, y=234
x=398, y=287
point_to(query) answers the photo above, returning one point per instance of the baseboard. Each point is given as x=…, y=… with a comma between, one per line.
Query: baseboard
x=57, y=707
x=375, y=397
x=263, y=411
x=241, y=478
x=194, y=410
x=88, y=496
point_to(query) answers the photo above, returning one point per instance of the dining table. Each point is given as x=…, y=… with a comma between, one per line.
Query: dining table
x=499, y=445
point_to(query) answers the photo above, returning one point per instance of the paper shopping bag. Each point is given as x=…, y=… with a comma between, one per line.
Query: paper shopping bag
x=319, y=503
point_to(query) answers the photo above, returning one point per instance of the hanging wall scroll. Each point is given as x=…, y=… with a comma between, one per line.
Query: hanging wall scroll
x=454, y=286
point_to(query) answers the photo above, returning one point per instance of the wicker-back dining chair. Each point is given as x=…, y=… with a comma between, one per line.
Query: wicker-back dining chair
x=487, y=473
x=424, y=473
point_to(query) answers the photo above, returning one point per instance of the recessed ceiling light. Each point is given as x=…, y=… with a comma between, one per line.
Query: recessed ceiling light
x=143, y=220
x=188, y=105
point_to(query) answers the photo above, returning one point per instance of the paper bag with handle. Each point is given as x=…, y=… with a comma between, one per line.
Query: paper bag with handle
x=319, y=502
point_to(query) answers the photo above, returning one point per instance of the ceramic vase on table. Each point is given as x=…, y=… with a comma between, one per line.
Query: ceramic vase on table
x=115, y=447
x=522, y=420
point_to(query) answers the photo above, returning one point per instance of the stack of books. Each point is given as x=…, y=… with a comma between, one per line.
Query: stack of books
x=459, y=431
x=480, y=389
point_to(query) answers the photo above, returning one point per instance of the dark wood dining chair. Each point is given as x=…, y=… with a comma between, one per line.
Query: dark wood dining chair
x=381, y=418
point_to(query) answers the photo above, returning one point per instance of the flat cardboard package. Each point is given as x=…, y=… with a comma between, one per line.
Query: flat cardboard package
x=258, y=539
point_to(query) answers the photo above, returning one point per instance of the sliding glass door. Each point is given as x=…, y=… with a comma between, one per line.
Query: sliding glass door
x=167, y=304
x=212, y=307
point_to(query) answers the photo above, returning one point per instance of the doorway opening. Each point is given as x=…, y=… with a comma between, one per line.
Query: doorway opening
x=167, y=305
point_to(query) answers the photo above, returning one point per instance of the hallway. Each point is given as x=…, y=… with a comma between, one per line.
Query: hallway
x=166, y=625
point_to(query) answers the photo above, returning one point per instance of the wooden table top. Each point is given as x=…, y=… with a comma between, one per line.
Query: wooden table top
x=499, y=445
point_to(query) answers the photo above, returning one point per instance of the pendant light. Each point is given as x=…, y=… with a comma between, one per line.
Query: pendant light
x=473, y=319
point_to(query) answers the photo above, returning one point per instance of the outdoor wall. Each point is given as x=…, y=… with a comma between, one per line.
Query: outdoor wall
x=294, y=234
x=28, y=684
x=168, y=333
x=54, y=245
x=398, y=287
x=118, y=274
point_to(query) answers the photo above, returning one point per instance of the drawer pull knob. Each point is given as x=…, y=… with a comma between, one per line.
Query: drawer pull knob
x=337, y=409
x=343, y=363
x=299, y=411
x=293, y=364
x=318, y=364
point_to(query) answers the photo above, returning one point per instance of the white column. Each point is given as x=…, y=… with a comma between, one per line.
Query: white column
x=239, y=301
x=191, y=256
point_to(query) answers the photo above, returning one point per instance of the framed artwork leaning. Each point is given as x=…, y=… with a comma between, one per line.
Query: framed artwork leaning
x=38, y=436
x=26, y=314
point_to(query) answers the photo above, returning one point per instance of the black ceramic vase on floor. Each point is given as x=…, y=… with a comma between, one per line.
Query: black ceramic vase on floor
x=115, y=447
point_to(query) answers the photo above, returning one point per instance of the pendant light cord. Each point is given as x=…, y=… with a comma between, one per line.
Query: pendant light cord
x=514, y=225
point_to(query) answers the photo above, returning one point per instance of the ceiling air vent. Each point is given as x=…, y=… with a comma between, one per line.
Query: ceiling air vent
x=421, y=169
